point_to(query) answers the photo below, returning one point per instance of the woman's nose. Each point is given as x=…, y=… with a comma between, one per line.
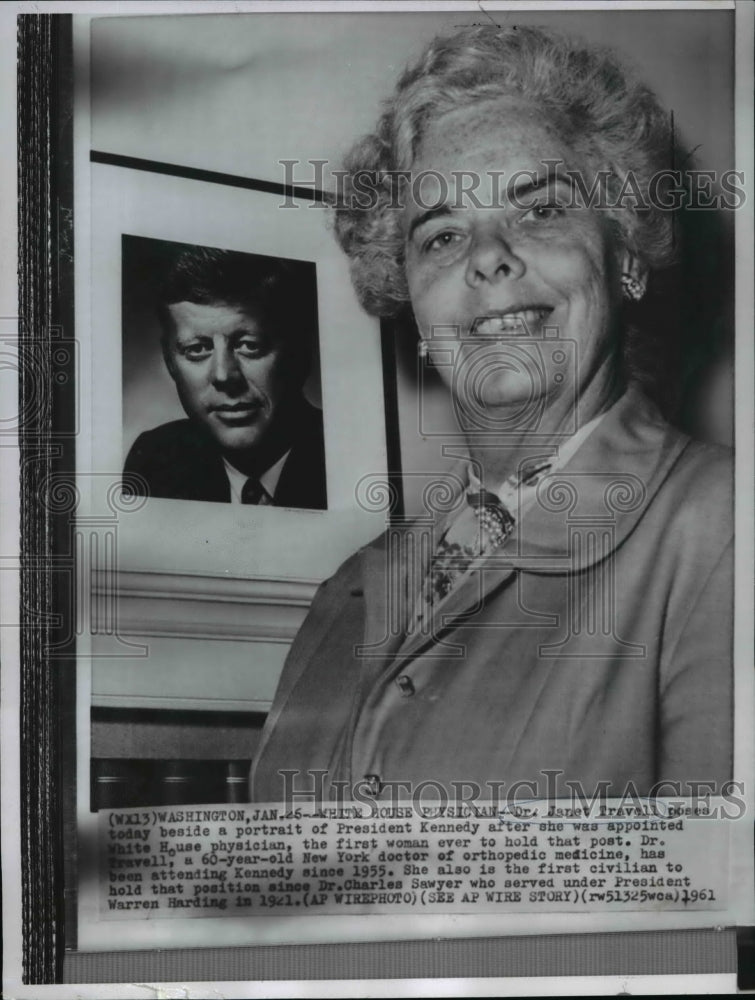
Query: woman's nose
x=225, y=365
x=492, y=258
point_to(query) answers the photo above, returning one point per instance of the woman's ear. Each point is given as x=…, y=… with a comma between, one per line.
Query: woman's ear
x=634, y=277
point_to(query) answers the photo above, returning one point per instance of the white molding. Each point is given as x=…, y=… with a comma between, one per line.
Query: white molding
x=179, y=605
x=199, y=704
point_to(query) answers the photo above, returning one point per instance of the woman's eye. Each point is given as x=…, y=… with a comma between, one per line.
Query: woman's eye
x=544, y=213
x=442, y=242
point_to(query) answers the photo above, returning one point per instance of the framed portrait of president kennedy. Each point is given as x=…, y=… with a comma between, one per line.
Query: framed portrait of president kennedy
x=239, y=426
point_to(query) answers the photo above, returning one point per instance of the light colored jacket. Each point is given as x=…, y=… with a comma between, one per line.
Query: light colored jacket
x=597, y=643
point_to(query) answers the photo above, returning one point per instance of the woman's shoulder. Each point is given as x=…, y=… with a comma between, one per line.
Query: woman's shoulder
x=351, y=573
x=714, y=461
x=705, y=472
x=694, y=472
x=699, y=497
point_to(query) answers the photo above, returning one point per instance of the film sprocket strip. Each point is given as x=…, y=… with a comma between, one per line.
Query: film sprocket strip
x=45, y=434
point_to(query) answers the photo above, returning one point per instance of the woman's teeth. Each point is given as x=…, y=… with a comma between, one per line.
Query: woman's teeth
x=512, y=324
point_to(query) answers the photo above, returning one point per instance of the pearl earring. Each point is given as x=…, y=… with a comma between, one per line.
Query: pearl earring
x=633, y=288
x=422, y=349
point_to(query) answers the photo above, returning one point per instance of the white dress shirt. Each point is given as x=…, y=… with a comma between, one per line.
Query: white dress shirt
x=268, y=481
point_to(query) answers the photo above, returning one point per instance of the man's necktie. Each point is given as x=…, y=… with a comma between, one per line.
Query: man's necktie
x=252, y=491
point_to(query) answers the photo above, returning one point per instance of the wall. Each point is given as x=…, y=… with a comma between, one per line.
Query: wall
x=239, y=93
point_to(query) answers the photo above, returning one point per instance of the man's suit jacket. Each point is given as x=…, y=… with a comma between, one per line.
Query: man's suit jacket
x=180, y=461
x=597, y=644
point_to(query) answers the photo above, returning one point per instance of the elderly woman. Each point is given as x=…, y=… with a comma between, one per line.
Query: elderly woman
x=568, y=616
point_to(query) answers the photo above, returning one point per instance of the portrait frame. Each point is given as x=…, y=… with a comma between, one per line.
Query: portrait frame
x=50, y=701
x=169, y=204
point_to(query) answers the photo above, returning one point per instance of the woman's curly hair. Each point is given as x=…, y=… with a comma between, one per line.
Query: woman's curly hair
x=610, y=120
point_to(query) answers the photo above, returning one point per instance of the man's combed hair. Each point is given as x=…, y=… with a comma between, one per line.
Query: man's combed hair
x=206, y=275
x=610, y=120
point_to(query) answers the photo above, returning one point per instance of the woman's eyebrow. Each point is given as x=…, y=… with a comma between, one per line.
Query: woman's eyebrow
x=552, y=176
x=432, y=213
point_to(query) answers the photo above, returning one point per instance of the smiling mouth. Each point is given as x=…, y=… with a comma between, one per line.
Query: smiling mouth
x=515, y=323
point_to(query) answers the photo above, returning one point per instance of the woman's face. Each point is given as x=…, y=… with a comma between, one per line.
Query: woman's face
x=514, y=295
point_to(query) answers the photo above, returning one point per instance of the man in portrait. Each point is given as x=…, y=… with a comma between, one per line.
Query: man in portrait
x=237, y=335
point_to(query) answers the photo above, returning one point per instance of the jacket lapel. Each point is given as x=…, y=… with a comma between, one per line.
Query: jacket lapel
x=463, y=602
